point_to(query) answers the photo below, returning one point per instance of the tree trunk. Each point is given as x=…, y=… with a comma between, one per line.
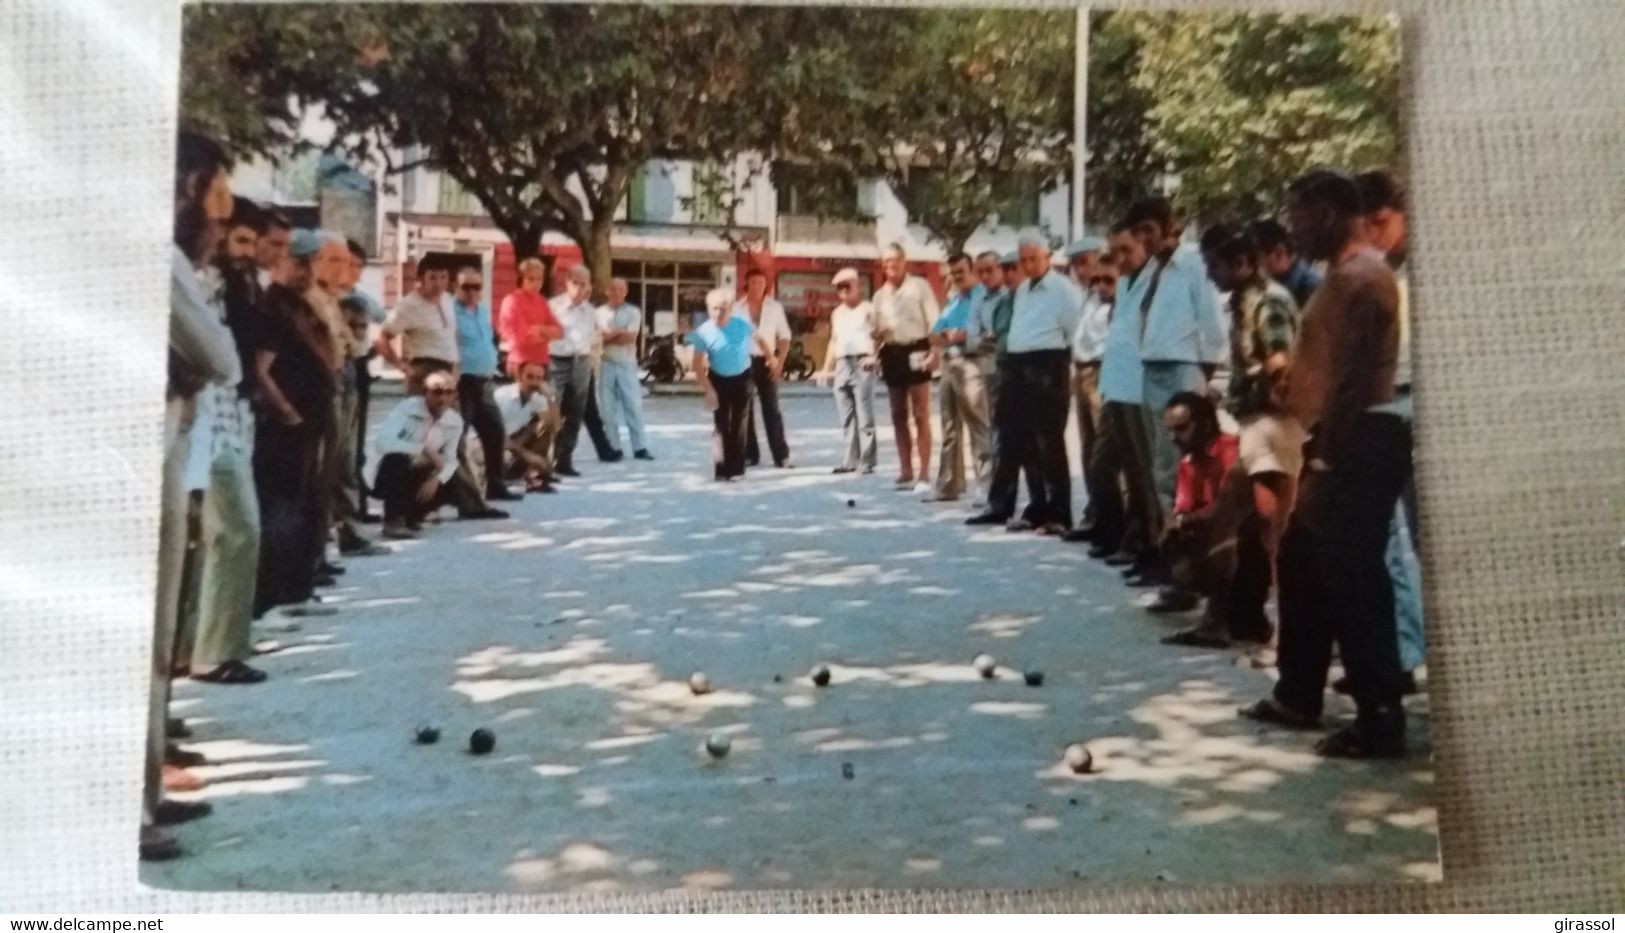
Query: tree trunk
x=596, y=254
x=527, y=242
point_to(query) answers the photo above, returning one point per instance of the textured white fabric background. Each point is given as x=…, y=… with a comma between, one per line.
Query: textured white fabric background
x=1516, y=116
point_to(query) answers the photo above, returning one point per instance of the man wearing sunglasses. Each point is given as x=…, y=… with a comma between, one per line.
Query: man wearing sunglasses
x=477, y=367
x=412, y=466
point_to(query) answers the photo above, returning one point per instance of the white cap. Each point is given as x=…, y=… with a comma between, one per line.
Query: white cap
x=847, y=274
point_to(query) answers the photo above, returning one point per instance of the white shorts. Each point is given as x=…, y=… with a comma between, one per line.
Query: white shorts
x=1272, y=444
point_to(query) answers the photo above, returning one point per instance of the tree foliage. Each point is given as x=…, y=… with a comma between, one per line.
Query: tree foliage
x=1234, y=106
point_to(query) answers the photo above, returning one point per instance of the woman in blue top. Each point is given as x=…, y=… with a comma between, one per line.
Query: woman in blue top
x=722, y=367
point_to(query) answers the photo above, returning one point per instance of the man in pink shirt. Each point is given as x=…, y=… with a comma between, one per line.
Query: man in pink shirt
x=526, y=322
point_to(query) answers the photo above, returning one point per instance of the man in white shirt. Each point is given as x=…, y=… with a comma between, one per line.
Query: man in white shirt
x=530, y=421
x=413, y=460
x=201, y=352
x=768, y=317
x=1046, y=314
x=907, y=309
x=1088, y=346
x=1183, y=333
x=620, y=390
x=571, y=372
x=850, y=366
x=424, y=325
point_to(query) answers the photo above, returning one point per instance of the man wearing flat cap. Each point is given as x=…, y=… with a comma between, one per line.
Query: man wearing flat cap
x=1088, y=347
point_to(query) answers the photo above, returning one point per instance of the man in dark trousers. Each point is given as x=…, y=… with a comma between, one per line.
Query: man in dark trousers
x=1334, y=584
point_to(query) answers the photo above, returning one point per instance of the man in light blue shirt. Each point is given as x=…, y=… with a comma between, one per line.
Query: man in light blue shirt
x=477, y=367
x=1127, y=527
x=1183, y=333
x=1036, y=381
x=961, y=394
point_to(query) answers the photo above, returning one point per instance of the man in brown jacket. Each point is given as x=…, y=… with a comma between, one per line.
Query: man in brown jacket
x=1334, y=585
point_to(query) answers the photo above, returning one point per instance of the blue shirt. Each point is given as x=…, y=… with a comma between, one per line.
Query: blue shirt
x=375, y=311
x=476, y=342
x=1122, y=379
x=1184, y=323
x=727, y=346
x=1047, y=313
x=1301, y=280
x=961, y=315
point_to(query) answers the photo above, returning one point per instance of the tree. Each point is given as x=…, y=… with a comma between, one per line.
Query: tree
x=947, y=106
x=542, y=112
x=1233, y=106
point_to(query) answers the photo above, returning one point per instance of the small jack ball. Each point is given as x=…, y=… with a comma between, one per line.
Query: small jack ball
x=1034, y=678
x=851, y=503
x=427, y=735
x=985, y=665
x=481, y=741
x=699, y=683
x=717, y=745
x=1078, y=758
x=820, y=676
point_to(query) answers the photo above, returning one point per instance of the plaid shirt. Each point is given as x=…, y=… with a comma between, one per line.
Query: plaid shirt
x=1263, y=321
x=231, y=417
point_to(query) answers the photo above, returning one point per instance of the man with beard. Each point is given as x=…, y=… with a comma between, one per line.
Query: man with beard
x=201, y=354
x=230, y=539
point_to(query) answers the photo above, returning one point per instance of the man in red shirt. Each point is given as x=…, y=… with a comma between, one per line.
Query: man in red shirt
x=1210, y=500
x=525, y=321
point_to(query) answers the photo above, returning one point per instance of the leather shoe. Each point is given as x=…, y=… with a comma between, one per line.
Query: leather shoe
x=1079, y=536
x=985, y=518
x=566, y=470
x=157, y=847
x=1122, y=559
x=486, y=512
x=175, y=812
x=1171, y=600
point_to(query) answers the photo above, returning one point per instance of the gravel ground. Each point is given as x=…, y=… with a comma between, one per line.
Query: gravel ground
x=571, y=631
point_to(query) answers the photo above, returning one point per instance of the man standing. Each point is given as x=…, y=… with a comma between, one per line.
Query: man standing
x=1384, y=204
x=200, y=353
x=476, y=370
x=1004, y=479
x=907, y=309
x=294, y=365
x=425, y=328
x=619, y=324
x=962, y=397
x=414, y=456
x=1088, y=345
x=1047, y=310
x=363, y=372
x=331, y=280
x=766, y=370
x=1263, y=323
x=849, y=365
x=530, y=419
x=526, y=321
x=1334, y=585
x=987, y=348
x=230, y=539
x=571, y=372
x=1182, y=335
x=1281, y=261
x=1123, y=450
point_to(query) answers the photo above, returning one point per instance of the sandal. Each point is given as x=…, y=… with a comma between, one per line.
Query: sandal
x=1197, y=638
x=1274, y=713
x=1352, y=742
x=232, y=672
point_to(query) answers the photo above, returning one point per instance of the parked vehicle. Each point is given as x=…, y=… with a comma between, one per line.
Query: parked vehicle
x=661, y=364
